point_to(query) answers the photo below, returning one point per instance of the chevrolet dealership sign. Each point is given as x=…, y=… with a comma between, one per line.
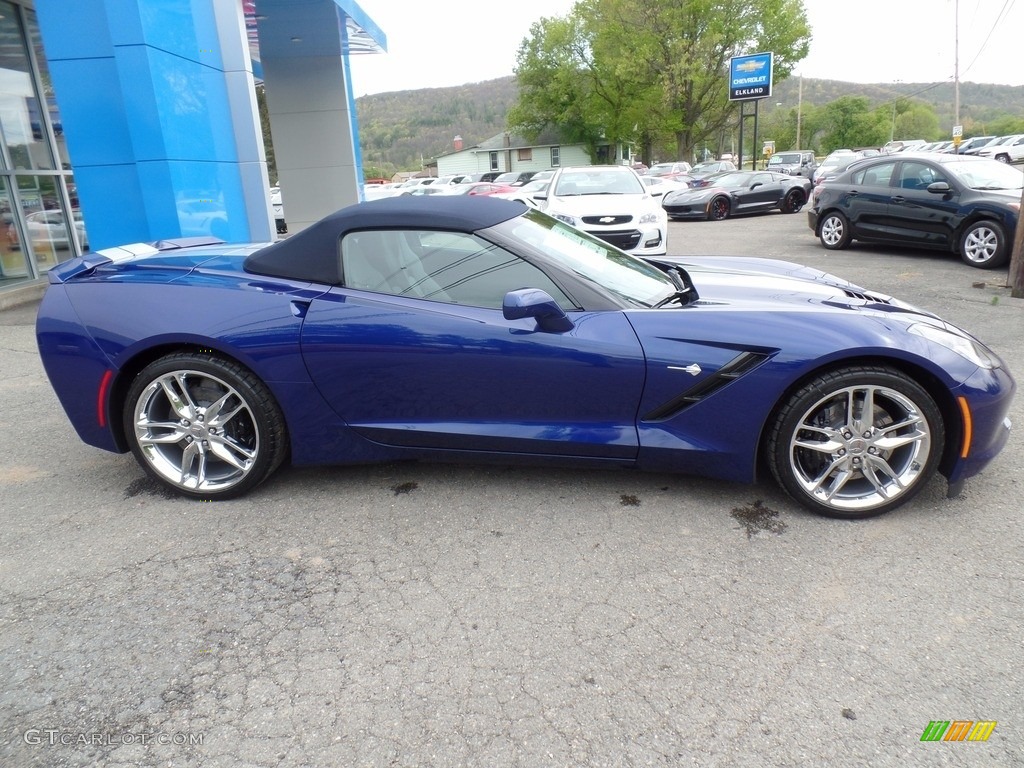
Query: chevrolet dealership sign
x=750, y=77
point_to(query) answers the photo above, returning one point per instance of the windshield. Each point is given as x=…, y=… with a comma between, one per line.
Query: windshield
x=631, y=279
x=986, y=175
x=785, y=158
x=732, y=180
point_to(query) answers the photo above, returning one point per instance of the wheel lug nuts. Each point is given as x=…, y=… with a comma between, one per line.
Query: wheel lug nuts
x=867, y=434
x=842, y=451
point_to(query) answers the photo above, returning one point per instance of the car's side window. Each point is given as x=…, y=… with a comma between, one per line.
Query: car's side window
x=875, y=176
x=453, y=267
x=915, y=175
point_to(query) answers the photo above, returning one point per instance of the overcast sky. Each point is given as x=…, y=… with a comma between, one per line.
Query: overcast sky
x=438, y=43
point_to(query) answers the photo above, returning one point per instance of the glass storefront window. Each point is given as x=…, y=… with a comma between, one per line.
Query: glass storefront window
x=21, y=120
x=13, y=266
x=40, y=224
x=46, y=224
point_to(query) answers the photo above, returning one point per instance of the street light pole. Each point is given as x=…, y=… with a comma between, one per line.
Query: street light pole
x=799, y=109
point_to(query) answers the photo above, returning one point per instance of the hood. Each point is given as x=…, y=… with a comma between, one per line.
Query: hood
x=769, y=284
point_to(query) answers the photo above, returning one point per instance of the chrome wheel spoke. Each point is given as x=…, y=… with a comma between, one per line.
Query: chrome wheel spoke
x=898, y=441
x=235, y=455
x=871, y=471
x=829, y=446
x=188, y=458
x=213, y=410
x=176, y=435
x=178, y=405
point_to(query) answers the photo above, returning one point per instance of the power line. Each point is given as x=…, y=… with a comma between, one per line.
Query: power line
x=1007, y=7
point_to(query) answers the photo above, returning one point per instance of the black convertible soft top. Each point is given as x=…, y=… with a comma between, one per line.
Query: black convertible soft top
x=312, y=254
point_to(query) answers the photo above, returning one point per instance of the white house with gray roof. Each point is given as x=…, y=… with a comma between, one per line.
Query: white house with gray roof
x=510, y=152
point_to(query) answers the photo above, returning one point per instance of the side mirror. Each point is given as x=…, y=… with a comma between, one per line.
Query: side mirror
x=538, y=304
x=939, y=188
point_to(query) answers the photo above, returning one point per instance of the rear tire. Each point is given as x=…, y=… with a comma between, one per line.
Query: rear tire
x=204, y=426
x=793, y=202
x=834, y=231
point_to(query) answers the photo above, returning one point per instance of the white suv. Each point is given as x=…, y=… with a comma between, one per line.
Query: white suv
x=609, y=202
x=1010, y=150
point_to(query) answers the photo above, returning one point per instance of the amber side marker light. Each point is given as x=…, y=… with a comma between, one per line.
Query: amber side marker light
x=965, y=411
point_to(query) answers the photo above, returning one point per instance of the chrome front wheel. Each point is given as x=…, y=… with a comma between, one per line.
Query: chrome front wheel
x=857, y=442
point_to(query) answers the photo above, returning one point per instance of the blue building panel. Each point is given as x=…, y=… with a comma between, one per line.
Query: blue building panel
x=157, y=107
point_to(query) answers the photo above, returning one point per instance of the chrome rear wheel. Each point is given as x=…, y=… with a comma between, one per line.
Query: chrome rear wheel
x=203, y=426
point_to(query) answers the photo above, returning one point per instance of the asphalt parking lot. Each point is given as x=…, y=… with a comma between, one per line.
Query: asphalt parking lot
x=422, y=615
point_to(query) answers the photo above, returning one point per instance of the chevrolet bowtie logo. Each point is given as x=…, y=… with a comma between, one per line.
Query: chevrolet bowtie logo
x=606, y=219
x=751, y=66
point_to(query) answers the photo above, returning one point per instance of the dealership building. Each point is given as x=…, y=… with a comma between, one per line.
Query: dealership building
x=136, y=121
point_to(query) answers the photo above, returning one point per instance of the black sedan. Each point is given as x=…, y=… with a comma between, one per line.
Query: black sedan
x=967, y=205
x=738, y=192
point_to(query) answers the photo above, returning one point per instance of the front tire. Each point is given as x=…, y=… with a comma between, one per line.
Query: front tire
x=718, y=209
x=834, y=231
x=984, y=245
x=204, y=426
x=856, y=442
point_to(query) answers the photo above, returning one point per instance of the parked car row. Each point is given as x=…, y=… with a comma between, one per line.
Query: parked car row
x=965, y=203
x=1005, y=149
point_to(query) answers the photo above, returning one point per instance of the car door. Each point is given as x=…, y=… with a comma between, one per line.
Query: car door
x=760, y=194
x=864, y=199
x=917, y=216
x=414, y=350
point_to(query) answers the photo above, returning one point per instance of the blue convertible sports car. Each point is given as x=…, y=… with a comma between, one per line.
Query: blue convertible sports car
x=478, y=329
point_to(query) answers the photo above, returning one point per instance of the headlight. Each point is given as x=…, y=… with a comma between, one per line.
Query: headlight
x=649, y=218
x=969, y=349
x=567, y=219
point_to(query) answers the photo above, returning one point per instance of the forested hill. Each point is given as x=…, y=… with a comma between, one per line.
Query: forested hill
x=402, y=130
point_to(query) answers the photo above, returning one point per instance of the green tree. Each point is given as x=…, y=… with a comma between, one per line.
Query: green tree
x=914, y=120
x=849, y=122
x=648, y=70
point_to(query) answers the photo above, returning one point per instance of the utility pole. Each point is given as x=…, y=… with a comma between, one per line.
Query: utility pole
x=799, y=109
x=1016, y=276
x=956, y=63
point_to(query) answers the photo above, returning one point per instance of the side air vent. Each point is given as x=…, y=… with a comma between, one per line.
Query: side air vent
x=865, y=297
x=739, y=365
